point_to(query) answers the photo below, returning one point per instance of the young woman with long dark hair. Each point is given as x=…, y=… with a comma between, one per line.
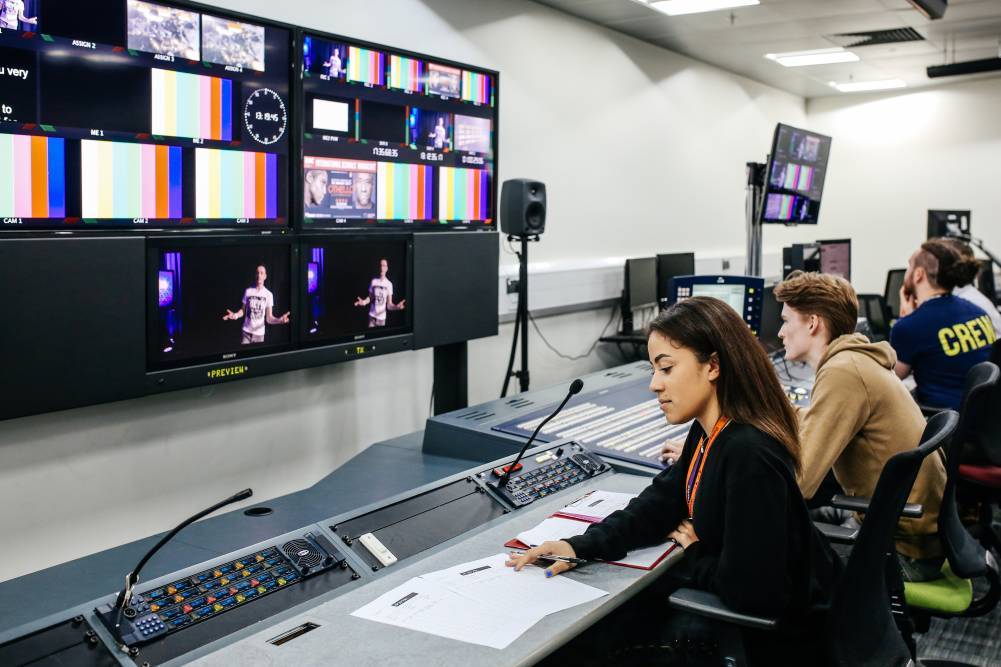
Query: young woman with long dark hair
x=731, y=500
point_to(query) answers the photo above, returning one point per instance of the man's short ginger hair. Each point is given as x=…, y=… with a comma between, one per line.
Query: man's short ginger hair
x=831, y=298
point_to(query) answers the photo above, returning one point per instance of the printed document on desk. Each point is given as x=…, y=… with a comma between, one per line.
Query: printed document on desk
x=481, y=602
x=596, y=505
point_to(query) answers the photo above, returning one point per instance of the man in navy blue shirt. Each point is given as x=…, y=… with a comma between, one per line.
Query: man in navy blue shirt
x=939, y=337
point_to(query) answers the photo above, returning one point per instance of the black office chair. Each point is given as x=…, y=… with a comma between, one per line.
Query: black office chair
x=891, y=291
x=873, y=308
x=861, y=627
x=952, y=595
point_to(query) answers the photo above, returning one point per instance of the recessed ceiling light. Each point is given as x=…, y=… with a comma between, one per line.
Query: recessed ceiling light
x=679, y=7
x=814, y=57
x=859, y=86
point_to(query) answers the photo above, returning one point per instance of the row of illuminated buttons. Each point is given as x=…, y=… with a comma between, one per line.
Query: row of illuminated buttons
x=208, y=586
x=264, y=559
x=171, y=605
x=191, y=614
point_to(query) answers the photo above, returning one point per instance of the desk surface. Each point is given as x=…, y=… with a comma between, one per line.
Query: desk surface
x=345, y=639
x=382, y=470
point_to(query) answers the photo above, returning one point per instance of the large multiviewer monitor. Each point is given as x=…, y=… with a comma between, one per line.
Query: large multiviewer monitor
x=742, y=293
x=795, y=174
x=134, y=114
x=392, y=138
x=669, y=266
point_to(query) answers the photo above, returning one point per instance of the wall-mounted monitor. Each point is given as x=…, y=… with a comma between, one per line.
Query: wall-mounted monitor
x=142, y=115
x=395, y=139
x=356, y=288
x=217, y=299
x=795, y=175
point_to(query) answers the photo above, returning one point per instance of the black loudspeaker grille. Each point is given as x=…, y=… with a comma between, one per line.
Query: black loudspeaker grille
x=302, y=553
x=535, y=217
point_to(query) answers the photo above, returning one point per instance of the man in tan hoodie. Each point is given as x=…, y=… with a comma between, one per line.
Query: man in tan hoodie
x=860, y=413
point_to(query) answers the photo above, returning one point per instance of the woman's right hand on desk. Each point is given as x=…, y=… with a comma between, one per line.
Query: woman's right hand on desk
x=670, y=451
x=557, y=548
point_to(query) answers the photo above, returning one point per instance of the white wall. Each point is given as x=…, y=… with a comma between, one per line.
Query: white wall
x=896, y=156
x=642, y=151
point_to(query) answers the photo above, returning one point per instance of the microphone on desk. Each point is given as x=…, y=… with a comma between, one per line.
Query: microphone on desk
x=575, y=388
x=125, y=596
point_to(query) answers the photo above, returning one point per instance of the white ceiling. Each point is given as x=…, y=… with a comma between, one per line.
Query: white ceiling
x=736, y=40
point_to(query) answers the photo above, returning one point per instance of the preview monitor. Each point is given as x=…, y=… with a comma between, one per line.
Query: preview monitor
x=795, y=174
x=742, y=293
x=215, y=299
x=356, y=288
x=395, y=139
x=836, y=258
x=669, y=266
x=138, y=114
x=948, y=223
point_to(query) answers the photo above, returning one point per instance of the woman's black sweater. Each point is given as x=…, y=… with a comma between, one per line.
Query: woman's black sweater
x=757, y=548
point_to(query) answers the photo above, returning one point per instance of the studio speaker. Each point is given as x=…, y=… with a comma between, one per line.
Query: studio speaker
x=523, y=207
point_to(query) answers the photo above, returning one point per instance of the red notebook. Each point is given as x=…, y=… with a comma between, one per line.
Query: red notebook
x=565, y=524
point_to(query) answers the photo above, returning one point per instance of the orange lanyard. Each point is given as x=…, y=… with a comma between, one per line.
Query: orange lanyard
x=694, y=476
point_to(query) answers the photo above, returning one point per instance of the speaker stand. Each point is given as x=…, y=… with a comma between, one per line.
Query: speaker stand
x=752, y=210
x=521, y=319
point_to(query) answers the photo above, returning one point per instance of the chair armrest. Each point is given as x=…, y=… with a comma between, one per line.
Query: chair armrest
x=709, y=605
x=861, y=504
x=837, y=534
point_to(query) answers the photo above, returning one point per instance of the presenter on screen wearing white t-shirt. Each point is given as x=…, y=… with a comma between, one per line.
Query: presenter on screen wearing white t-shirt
x=380, y=298
x=12, y=11
x=256, y=310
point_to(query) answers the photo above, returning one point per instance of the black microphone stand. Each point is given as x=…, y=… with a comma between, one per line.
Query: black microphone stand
x=132, y=578
x=502, y=481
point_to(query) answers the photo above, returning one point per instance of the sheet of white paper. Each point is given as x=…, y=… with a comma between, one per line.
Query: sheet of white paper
x=598, y=504
x=490, y=581
x=645, y=557
x=481, y=602
x=553, y=528
x=430, y=607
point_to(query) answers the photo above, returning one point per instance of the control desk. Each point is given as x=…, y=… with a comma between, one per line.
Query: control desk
x=175, y=618
x=615, y=416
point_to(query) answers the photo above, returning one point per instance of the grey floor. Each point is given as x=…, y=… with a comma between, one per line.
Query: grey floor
x=972, y=641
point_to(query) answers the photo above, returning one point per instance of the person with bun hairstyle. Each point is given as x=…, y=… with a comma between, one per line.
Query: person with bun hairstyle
x=731, y=501
x=969, y=291
x=939, y=336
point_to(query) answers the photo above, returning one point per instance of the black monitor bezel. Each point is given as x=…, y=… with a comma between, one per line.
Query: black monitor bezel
x=155, y=244
x=664, y=292
x=305, y=341
x=828, y=242
x=105, y=229
x=760, y=215
x=627, y=282
x=296, y=189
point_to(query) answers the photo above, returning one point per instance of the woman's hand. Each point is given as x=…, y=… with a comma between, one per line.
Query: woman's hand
x=684, y=534
x=559, y=548
x=670, y=452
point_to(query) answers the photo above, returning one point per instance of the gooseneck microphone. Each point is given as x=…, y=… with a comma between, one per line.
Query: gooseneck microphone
x=125, y=596
x=575, y=388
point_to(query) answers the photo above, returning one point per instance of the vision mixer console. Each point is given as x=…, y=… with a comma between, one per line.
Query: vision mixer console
x=619, y=419
x=174, y=618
